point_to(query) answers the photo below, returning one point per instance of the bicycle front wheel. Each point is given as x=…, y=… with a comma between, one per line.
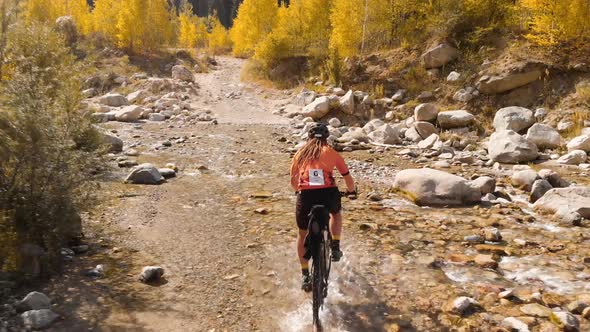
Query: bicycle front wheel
x=318, y=284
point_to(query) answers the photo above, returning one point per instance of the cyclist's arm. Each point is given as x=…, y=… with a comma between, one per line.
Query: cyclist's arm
x=343, y=169
x=294, y=176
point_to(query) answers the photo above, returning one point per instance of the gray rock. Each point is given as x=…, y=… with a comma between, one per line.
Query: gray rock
x=514, y=324
x=513, y=118
x=565, y=125
x=347, y=103
x=157, y=117
x=524, y=179
x=540, y=188
x=566, y=321
x=544, y=136
x=425, y=112
x=130, y=113
x=567, y=216
x=113, y=100
x=373, y=125
x=137, y=96
x=399, y=95
x=317, y=109
x=354, y=133
x=429, y=142
x=335, y=122
x=507, y=82
x=151, y=274
x=455, y=119
x=304, y=98
x=182, y=73
x=385, y=134
x=339, y=92
x=553, y=178
x=580, y=143
x=574, y=157
x=462, y=304
x=453, y=76
x=97, y=272
x=144, y=174
x=424, y=129
x=485, y=184
x=113, y=143
x=429, y=187
x=39, y=319
x=167, y=173
x=508, y=147
x=576, y=199
x=439, y=56
x=463, y=95
x=34, y=301
x=540, y=114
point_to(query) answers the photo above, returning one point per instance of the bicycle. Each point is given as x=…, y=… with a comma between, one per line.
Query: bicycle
x=318, y=249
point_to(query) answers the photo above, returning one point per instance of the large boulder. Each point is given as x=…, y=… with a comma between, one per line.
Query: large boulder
x=507, y=82
x=182, y=73
x=425, y=129
x=144, y=174
x=544, y=136
x=317, y=109
x=575, y=199
x=425, y=112
x=439, y=56
x=373, y=125
x=304, y=98
x=580, y=143
x=385, y=134
x=524, y=179
x=347, y=104
x=39, y=319
x=575, y=157
x=455, y=119
x=113, y=100
x=354, y=133
x=429, y=187
x=513, y=118
x=485, y=184
x=539, y=188
x=508, y=147
x=130, y=113
x=113, y=143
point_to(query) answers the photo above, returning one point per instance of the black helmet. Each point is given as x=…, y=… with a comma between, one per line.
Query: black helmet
x=318, y=130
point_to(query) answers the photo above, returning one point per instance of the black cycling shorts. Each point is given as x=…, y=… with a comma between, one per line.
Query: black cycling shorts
x=306, y=199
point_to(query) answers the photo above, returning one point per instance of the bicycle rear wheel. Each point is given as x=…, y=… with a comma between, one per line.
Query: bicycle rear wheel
x=318, y=284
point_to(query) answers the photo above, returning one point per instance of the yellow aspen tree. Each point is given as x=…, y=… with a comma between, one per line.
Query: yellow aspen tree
x=187, y=34
x=202, y=35
x=40, y=10
x=105, y=17
x=157, y=19
x=286, y=39
x=130, y=24
x=255, y=20
x=347, y=19
x=317, y=26
x=219, y=41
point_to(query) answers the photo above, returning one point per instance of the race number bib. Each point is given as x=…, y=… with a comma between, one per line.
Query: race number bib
x=316, y=177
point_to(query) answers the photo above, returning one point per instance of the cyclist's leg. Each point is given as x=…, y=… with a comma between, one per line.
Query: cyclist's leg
x=301, y=211
x=336, y=225
x=300, y=247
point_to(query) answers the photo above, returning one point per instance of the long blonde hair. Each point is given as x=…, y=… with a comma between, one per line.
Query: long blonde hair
x=311, y=151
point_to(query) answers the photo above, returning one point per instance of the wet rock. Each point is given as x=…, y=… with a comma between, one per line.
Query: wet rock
x=510, y=148
x=426, y=112
x=80, y=249
x=514, y=324
x=580, y=143
x=317, y=109
x=574, y=157
x=385, y=134
x=39, y=319
x=97, y=272
x=540, y=187
x=429, y=187
x=474, y=238
x=544, y=136
x=113, y=100
x=455, y=119
x=144, y=174
x=304, y=98
x=535, y=310
x=485, y=184
x=575, y=199
x=151, y=274
x=524, y=179
x=180, y=72
x=513, y=118
x=492, y=235
x=439, y=56
x=463, y=304
x=565, y=321
x=34, y=301
x=577, y=307
x=129, y=113
x=486, y=261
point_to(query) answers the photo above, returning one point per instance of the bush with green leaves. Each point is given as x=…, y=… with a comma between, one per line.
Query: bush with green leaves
x=48, y=148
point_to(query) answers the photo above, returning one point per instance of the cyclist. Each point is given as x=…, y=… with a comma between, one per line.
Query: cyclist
x=311, y=177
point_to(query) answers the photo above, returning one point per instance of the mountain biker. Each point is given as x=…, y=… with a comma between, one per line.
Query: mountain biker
x=312, y=178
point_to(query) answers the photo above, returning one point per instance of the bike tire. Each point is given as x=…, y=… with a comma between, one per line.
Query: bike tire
x=317, y=285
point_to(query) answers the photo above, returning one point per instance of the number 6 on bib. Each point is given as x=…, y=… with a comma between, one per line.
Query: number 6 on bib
x=316, y=177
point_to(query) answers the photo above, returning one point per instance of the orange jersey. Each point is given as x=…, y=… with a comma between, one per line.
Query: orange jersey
x=318, y=174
